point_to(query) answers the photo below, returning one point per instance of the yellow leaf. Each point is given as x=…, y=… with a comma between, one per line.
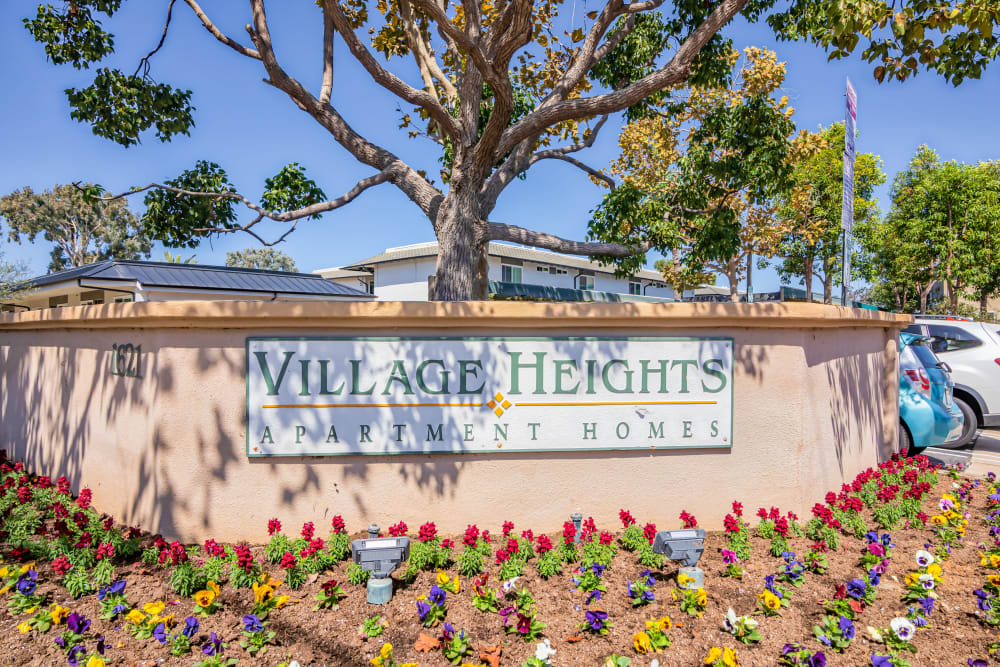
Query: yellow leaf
x=577, y=35
x=592, y=15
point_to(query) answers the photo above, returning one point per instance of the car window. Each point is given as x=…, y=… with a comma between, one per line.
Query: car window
x=925, y=355
x=914, y=329
x=907, y=359
x=949, y=339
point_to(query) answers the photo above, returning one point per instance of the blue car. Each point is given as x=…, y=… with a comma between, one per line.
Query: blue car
x=927, y=415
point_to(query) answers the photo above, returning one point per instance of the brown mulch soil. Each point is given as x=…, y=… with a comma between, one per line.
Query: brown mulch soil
x=332, y=638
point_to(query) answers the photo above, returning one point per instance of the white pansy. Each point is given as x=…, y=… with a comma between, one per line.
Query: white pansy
x=903, y=628
x=544, y=650
x=924, y=558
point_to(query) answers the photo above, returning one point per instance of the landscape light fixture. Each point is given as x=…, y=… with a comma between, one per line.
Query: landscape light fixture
x=685, y=545
x=380, y=556
x=577, y=519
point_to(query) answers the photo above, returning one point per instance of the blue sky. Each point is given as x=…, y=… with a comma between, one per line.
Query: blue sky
x=252, y=129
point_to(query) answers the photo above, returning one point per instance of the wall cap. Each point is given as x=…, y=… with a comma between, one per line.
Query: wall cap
x=437, y=315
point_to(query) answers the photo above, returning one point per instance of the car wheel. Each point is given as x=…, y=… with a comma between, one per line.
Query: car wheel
x=906, y=447
x=969, y=427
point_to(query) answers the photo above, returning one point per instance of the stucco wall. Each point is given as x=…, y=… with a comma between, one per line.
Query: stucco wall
x=815, y=402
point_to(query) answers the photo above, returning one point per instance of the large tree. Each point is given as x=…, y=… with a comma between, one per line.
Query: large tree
x=503, y=86
x=82, y=229
x=11, y=273
x=267, y=259
x=813, y=248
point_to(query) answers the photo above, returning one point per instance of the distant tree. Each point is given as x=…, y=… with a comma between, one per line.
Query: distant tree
x=699, y=184
x=177, y=259
x=814, y=247
x=11, y=273
x=267, y=259
x=84, y=230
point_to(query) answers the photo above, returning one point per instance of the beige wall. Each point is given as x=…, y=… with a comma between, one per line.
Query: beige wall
x=815, y=402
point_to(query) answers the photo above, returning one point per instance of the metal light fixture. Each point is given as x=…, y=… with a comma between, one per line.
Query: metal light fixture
x=380, y=556
x=685, y=545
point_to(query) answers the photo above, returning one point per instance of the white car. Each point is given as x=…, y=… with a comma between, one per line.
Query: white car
x=971, y=352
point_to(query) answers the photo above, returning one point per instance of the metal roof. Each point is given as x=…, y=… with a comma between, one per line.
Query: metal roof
x=501, y=250
x=199, y=276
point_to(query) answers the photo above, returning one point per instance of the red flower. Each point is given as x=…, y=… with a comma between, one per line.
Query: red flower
x=761, y=512
x=818, y=546
x=831, y=498
x=62, y=485
x=731, y=524
x=105, y=550
x=528, y=535
x=43, y=482
x=61, y=565
x=83, y=502
x=606, y=537
x=178, y=554
x=502, y=555
x=80, y=519
x=109, y=523
x=23, y=494
x=85, y=540
x=273, y=526
x=775, y=513
x=471, y=535
x=328, y=587
x=626, y=518
x=781, y=526
x=649, y=531
x=308, y=530
x=398, y=530
x=212, y=548
x=244, y=559
x=544, y=544
x=513, y=546
x=688, y=519
x=841, y=592
x=486, y=536
x=737, y=508
x=792, y=516
x=338, y=524
x=447, y=543
x=288, y=561
x=428, y=532
x=569, y=532
x=507, y=527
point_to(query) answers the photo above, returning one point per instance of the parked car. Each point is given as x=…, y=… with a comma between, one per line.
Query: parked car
x=928, y=414
x=972, y=351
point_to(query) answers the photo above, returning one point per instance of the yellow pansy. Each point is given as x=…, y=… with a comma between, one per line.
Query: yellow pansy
x=262, y=593
x=993, y=579
x=135, y=617
x=214, y=587
x=713, y=654
x=204, y=598
x=24, y=627
x=29, y=566
x=4, y=572
x=58, y=614
x=442, y=578
x=268, y=581
x=409, y=664
x=729, y=658
x=683, y=579
x=934, y=569
x=377, y=661
x=4, y=590
x=665, y=623
x=640, y=641
x=32, y=610
x=948, y=496
x=457, y=584
x=385, y=651
x=168, y=621
x=771, y=601
x=702, y=597
x=938, y=520
x=912, y=578
x=153, y=608
x=95, y=661
x=281, y=601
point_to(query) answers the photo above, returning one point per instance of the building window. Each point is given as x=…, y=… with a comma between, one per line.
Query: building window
x=123, y=299
x=510, y=273
x=587, y=282
x=634, y=287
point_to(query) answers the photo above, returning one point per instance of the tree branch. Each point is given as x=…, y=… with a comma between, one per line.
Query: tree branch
x=413, y=185
x=500, y=232
x=576, y=163
x=674, y=72
x=219, y=35
x=144, y=62
x=326, y=89
x=387, y=79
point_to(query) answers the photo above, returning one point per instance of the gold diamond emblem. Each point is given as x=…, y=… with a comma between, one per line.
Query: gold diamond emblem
x=498, y=404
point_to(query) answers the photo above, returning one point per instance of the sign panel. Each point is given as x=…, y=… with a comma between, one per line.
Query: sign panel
x=851, y=127
x=335, y=396
x=847, y=202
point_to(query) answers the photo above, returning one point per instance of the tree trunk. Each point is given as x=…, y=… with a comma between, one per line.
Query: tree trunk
x=462, y=243
x=983, y=304
x=828, y=289
x=734, y=294
x=807, y=268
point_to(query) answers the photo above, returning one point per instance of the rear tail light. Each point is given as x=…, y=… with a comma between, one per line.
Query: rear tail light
x=998, y=361
x=919, y=379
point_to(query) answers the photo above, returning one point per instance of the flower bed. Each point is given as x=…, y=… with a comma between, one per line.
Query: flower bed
x=889, y=570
